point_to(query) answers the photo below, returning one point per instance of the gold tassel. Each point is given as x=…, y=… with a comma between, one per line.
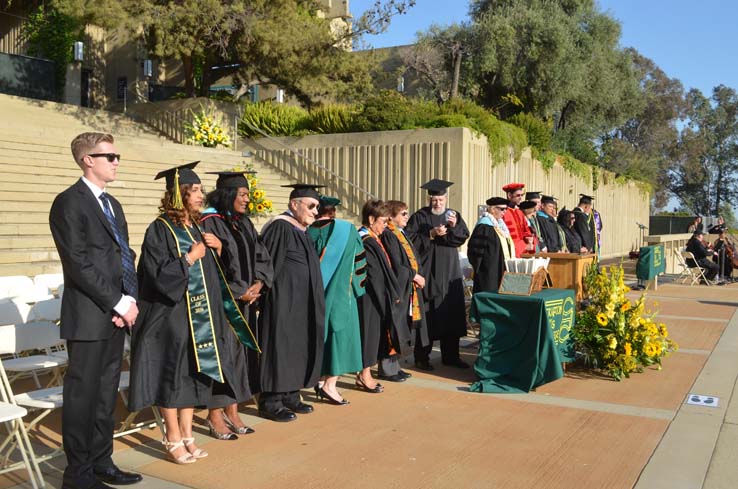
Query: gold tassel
x=177, y=197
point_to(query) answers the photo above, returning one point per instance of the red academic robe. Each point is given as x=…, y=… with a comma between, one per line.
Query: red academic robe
x=519, y=230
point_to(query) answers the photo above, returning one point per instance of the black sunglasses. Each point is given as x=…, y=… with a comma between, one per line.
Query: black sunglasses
x=111, y=157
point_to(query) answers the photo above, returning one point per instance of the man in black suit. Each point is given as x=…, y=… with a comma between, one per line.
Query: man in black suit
x=99, y=302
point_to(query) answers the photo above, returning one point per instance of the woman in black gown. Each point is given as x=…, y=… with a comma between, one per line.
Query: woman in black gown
x=180, y=306
x=248, y=268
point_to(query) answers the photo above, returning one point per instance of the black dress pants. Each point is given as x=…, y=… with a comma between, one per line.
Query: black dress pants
x=90, y=392
x=449, y=350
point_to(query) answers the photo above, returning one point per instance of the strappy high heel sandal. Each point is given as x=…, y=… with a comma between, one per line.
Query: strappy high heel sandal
x=172, y=446
x=199, y=452
x=241, y=430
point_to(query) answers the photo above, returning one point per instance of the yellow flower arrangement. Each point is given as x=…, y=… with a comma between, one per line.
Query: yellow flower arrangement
x=259, y=205
x=615, y=334
x=205, y=131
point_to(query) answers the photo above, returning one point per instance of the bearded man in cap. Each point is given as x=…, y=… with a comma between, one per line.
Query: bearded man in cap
x=292, y=322
x=516, y=221
x=437, y=232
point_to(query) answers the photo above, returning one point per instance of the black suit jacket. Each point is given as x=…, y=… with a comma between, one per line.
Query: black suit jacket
x=91, y=260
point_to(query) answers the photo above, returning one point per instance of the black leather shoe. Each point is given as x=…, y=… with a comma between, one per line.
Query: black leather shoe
x=458, y=363
x=394, y=378
x=282, y=415
x=424, y=365
x=407, y=375
x=300, y=408
x=113, y=475
x=75, y=484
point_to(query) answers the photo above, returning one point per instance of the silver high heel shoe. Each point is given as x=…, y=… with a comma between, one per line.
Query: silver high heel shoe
x=218, y=435
x=243, y=430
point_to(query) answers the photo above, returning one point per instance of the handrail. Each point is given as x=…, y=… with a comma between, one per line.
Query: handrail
x=310, y=160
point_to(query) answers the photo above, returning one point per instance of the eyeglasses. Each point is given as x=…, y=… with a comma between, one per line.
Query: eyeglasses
x=311, y=206
x=501, y=208
x=111, y=157
x=404, y=213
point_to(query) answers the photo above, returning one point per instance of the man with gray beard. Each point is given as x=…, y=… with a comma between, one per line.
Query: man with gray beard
x=437, y=232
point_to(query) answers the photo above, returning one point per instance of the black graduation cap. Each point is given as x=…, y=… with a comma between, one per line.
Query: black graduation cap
x=527, y=204
x=547, y=199
x=304, y=190
x=436, y=186
x=585, y=199
x=179, y=175
x=532, y=195
x=231, y=179
x=497, y=201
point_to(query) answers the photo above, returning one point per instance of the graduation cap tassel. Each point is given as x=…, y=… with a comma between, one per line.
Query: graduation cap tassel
x=177, y=198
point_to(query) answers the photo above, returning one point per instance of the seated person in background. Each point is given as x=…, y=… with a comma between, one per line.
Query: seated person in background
x=696, y=245
x=696, y=225
x=722, y=251
x=719, y=227
x=529, y=211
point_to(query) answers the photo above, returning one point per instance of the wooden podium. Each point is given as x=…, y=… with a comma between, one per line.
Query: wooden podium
x=567, y=269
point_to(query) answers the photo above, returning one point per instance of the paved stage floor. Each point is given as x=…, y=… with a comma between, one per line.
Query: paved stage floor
x=584, y=430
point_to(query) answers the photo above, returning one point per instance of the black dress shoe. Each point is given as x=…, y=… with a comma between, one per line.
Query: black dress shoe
x=300, y=408
x=424, y=365
x=76, y=484
x=407, y=375
x=281, y=415
x=113, y=475
x=394, y=378
x=458, y=363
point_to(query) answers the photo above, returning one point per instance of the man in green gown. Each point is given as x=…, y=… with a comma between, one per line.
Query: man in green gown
x=342, y=264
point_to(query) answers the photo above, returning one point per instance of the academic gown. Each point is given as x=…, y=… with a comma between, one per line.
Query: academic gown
x=405, y=275
x=347, y=269
x=573, y=240
x=550, y=231
x=380, y=310
x=292, y=321
x=585, y=228
x=486, y=258
x=444, y=282
x=517, y=224
x=244, y=259
x=163, y=365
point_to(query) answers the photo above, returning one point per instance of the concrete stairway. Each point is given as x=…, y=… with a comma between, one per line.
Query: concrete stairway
x=36, y=164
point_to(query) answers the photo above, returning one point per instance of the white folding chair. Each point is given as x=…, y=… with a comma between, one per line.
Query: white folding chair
x=127, y=425
x=696, y=272
x=52, y=281
x=41, y=402
x=23, y=288
x=33, y=337
x=46, y=310
x=13, y=311
x=11, y=415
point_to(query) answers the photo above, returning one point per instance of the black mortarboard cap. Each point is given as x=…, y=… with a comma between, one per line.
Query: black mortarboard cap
x=547, y=199
x=230, y=179
x=304, y=190
x=585, y=199
x=179, y=175
x=497, y=201
x=527, y=204
x=532, y=195
x=436, y=186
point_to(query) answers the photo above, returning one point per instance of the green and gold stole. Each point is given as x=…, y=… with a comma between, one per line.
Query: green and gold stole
x=198, y=308
x=413, y=264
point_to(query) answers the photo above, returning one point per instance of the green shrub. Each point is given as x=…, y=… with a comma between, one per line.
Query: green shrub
x=332, y=119
x=386, y=111
x=273, y=119
x=539, y=132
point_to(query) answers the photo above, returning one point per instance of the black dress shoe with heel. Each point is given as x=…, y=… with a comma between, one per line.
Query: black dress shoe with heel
x=323, y=395
x=113, y=475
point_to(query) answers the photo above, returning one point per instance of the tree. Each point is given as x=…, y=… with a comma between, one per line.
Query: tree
x=706, y=180
x=284, y=42
x=645, y=146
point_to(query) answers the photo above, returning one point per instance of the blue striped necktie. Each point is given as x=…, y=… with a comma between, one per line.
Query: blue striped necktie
x=130, y=281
